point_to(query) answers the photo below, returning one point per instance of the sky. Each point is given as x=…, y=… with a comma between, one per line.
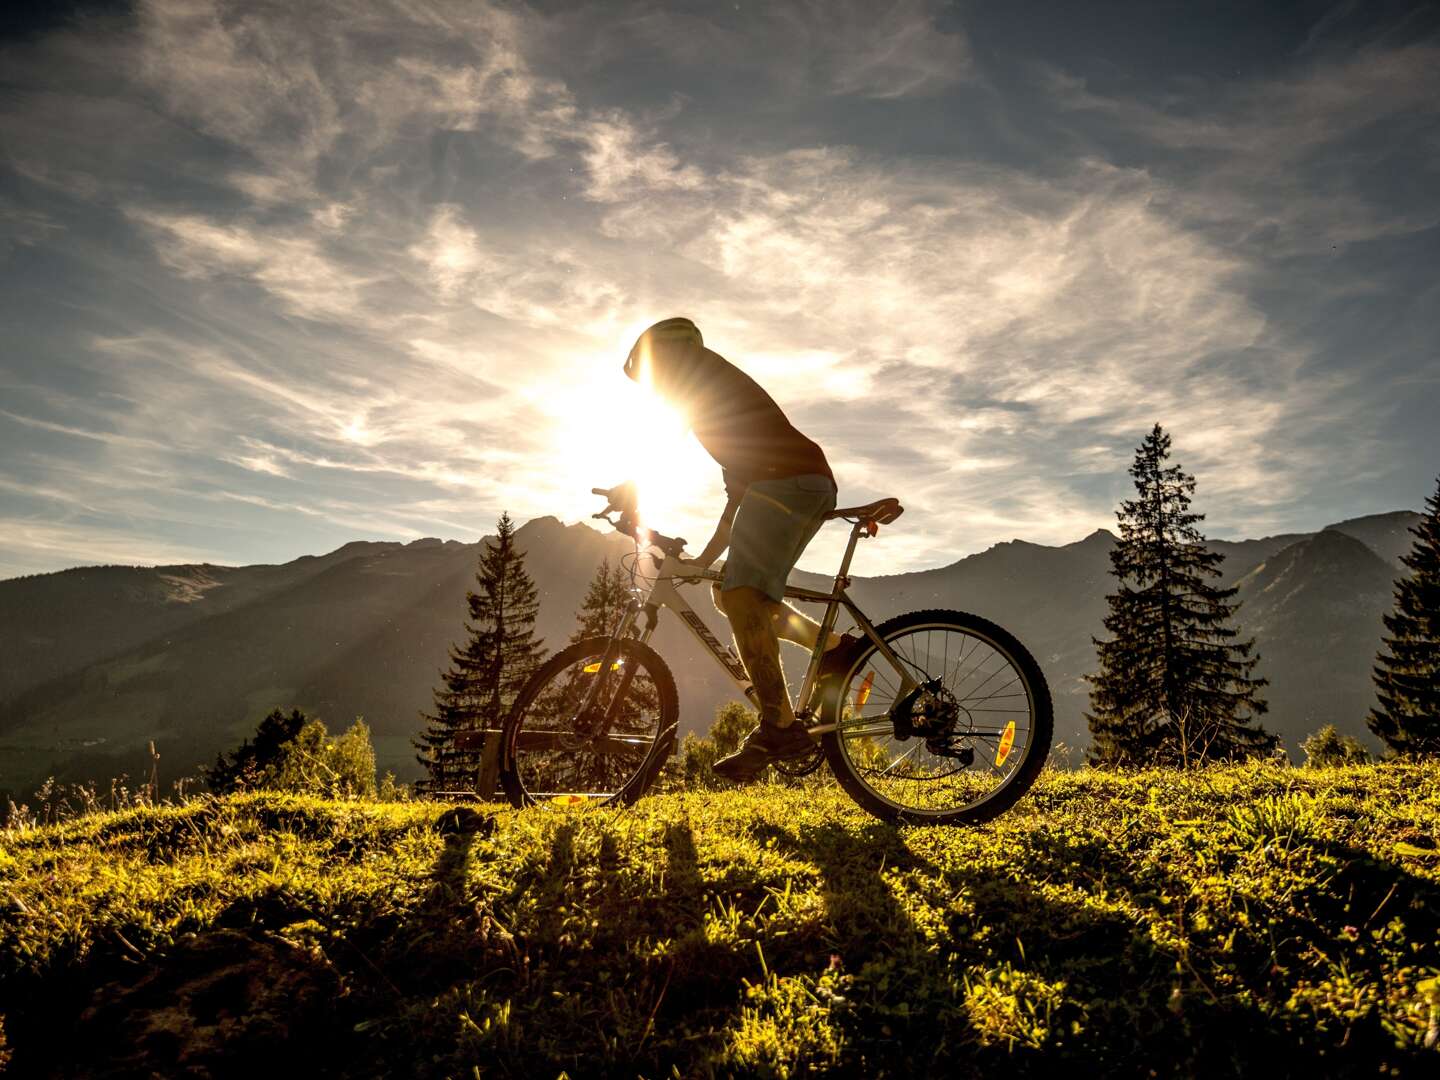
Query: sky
x=278, y=276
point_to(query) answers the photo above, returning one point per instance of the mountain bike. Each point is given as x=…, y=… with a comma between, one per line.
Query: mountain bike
x=933, y=717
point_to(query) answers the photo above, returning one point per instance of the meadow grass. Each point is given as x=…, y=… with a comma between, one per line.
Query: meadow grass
x=1209, y=923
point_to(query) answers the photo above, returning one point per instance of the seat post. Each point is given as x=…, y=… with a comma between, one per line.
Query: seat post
x=842, y=576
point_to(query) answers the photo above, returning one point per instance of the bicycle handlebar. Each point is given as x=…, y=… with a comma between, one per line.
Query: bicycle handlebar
x=622, y=497
x=672, y=546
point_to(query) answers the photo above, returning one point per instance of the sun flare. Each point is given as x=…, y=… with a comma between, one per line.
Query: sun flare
x=607, y=429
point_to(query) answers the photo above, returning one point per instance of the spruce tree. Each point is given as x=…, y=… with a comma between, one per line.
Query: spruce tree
x=1174, y=684
x=604, y=602
x=1407, y=671
x=488, y=670
x=245, y=766
x=599, y=615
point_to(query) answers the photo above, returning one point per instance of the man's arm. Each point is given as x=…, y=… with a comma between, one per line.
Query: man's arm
x=721, y=540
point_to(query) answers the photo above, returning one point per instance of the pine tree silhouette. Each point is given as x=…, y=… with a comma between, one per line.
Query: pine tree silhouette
x=604, y=602
x=245, y=765
x=599, y=615
x=1174, y=684
x=488, y=670
x=1407, y=672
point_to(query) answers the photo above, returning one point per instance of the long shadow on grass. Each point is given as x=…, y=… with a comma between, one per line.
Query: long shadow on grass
x=973, y=964
x=683, y=893
x=1192, y=992
x=696, y=987
x=888, y=1011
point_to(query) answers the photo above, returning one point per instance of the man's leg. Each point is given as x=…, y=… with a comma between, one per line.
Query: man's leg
x=790, y=625
x=774, y=522
x=777, y=736
x=753, y=620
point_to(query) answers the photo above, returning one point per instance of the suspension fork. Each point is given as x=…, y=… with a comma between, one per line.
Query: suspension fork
x=628, y=674
x=607, y=661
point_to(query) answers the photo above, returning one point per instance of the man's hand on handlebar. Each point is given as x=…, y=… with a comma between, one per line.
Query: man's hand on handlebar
x=623, y=498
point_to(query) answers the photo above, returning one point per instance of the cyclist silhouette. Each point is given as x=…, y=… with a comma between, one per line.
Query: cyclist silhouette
x=778, y=489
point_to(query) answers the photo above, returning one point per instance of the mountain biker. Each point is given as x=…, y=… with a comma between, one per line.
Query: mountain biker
x=778, y=489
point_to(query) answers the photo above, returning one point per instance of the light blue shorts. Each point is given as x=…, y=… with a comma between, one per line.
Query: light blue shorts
x=774, y=522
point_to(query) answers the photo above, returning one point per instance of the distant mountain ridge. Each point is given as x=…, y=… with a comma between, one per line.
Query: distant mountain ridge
x=96, y=662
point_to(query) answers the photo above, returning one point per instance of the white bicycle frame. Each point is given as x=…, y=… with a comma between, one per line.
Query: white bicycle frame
x=665, y=594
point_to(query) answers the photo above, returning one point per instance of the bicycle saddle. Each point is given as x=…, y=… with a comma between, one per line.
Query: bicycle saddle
x=881, y=512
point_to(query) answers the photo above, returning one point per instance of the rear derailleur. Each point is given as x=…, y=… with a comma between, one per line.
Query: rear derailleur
x=945, y=746
x=931, y=712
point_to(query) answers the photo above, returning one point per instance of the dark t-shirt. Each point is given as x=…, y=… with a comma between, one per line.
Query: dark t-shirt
x=742, y=428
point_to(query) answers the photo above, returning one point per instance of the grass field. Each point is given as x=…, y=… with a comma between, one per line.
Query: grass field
x=1151, y=923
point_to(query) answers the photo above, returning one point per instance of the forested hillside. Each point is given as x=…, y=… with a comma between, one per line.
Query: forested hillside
x=96, y=663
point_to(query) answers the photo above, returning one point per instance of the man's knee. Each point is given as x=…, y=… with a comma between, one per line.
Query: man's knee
x=741, y=599
x=731, y=601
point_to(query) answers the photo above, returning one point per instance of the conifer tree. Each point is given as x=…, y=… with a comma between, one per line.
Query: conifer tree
x=1407, y=671
x=489, y=669
x=1174, y=684
x=604, y=602
x=599, y=615
x=246, y=765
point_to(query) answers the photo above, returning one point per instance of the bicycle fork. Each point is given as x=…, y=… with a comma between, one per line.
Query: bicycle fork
x=608, y=662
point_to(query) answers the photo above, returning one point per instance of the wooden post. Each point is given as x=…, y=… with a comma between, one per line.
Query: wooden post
x=487, y=741
x=489, y=768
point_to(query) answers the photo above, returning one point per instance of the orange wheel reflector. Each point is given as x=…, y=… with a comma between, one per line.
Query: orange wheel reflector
x=1007, y=740
x=862, y=694
x=591, y=669
x=570, y=800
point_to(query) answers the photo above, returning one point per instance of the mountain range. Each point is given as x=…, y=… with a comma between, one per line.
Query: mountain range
x=98, y=662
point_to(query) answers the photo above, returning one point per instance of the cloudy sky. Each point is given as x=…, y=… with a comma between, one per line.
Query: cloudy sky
x=275, y=276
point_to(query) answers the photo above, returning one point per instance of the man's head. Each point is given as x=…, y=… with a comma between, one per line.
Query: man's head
x=664, y=351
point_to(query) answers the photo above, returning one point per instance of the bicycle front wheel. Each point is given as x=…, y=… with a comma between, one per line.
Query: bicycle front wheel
x=954, y=735
x=563, y=743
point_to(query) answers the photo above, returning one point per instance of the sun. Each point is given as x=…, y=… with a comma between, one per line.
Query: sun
x=608, y=429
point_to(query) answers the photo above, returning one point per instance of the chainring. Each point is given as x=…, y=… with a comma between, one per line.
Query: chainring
x=797, y=767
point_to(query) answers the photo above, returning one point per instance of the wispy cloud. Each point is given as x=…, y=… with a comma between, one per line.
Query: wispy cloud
x=36, y=547
x=803, y=49
x=371, y=269
x=1284, y=159
x=110, y=438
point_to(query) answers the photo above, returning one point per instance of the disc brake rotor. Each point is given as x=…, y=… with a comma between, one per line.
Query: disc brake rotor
x=929, y=710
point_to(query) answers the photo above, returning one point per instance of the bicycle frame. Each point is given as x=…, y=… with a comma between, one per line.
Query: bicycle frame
x=665, y=594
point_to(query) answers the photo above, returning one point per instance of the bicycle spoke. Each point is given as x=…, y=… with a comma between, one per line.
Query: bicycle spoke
x=587, y=732
x=970, y=705
x=900, y=760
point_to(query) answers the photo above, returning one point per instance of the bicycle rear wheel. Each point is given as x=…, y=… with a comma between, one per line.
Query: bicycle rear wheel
x=556, y=749
x=956, y=739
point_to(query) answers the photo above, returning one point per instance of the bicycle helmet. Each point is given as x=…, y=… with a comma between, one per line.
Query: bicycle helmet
x=669, y=336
